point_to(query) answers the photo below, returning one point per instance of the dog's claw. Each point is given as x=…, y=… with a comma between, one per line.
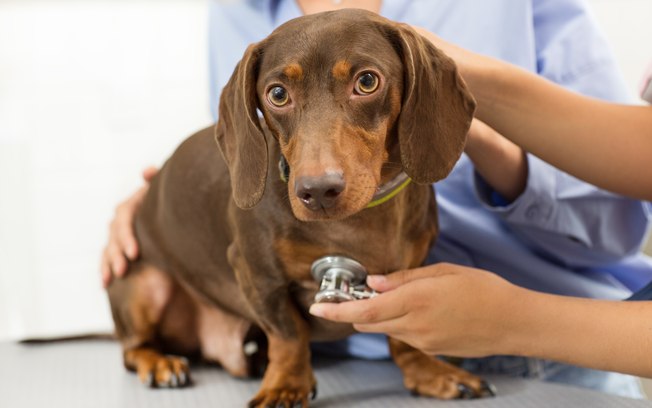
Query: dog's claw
x=465, y=391
x=149, y=381
x=487, y=389
x=313, y=393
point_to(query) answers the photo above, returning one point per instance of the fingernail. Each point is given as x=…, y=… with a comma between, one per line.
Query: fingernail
x=317, y=310
x=375, y=280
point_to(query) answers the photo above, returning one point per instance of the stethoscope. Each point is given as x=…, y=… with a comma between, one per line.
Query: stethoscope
x=340, y=279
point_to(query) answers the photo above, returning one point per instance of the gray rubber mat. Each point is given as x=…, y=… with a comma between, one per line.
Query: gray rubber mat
x=89, y=374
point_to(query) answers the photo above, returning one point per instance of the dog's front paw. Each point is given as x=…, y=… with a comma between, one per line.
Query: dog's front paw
x=428, y=376
x=434, y=378
x=294, y=393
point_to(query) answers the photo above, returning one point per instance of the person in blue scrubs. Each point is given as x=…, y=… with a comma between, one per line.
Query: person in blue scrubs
x=553, y=233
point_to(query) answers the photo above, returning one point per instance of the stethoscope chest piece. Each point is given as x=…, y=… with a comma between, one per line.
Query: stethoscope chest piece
x=341, y=279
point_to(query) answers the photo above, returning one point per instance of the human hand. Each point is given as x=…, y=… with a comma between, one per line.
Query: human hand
x=122, y=246
x=439, y=309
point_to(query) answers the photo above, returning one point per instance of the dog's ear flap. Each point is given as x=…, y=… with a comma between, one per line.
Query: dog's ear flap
x=437, y=108
x=239, y=134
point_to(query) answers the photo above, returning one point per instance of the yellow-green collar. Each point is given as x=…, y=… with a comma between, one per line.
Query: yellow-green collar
x=388, y=190
x=385, y=192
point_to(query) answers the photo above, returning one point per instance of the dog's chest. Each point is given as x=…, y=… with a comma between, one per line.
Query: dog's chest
x=379, y=249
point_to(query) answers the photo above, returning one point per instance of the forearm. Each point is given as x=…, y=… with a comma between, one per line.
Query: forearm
x=500, y=162
x=602, y=143
x=605, y=144
x=605, y=335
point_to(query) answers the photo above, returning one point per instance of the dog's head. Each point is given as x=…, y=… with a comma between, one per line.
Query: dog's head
x=352, y=99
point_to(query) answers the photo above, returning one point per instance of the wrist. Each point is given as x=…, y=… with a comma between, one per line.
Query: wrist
x=518, y=334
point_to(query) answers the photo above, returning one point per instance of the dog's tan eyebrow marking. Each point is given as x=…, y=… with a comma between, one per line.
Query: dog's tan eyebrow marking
x=341, y=70
x=293, y=72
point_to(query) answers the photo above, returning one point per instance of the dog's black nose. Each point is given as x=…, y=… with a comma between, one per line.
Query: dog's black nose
x=319, y=192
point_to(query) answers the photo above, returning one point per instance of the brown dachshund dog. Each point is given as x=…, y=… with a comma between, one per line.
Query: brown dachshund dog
x=350, y=101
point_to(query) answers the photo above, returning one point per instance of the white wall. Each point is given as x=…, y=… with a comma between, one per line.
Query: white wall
x=628, y=26
x=90, y=93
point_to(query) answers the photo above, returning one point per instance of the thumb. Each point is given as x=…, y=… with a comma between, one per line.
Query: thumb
x=384, y=283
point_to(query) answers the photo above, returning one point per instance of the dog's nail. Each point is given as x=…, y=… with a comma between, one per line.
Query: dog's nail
x=414, y=392
x=465, y=391
x=297, y=404
x=313, y=393
x=487, y=389
x=183, y=378
x=174, y=381
x=149, y=381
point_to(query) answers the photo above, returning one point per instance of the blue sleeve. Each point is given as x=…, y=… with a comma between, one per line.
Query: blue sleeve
x=560, y=216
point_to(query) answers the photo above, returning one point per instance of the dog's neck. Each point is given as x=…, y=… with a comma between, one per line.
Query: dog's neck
x=384, y=193
x=387, y=191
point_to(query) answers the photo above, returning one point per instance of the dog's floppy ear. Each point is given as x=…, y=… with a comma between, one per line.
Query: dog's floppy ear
x=437, y=108
x=239, y=134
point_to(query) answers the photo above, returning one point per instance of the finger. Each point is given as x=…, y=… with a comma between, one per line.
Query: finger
x=384, y=283
x=382, y=307
x=392, y=327
x=149, y=173
x=126, y=239
x=105, y=269
x=119, y=266
x=123, y=229
x=116, y=260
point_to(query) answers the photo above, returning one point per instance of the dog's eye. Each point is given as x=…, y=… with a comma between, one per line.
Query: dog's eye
x=366, y=83
x=278, y=96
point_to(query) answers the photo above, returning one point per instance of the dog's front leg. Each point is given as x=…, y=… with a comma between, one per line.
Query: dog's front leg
x=289, y=380
x=429, y=376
